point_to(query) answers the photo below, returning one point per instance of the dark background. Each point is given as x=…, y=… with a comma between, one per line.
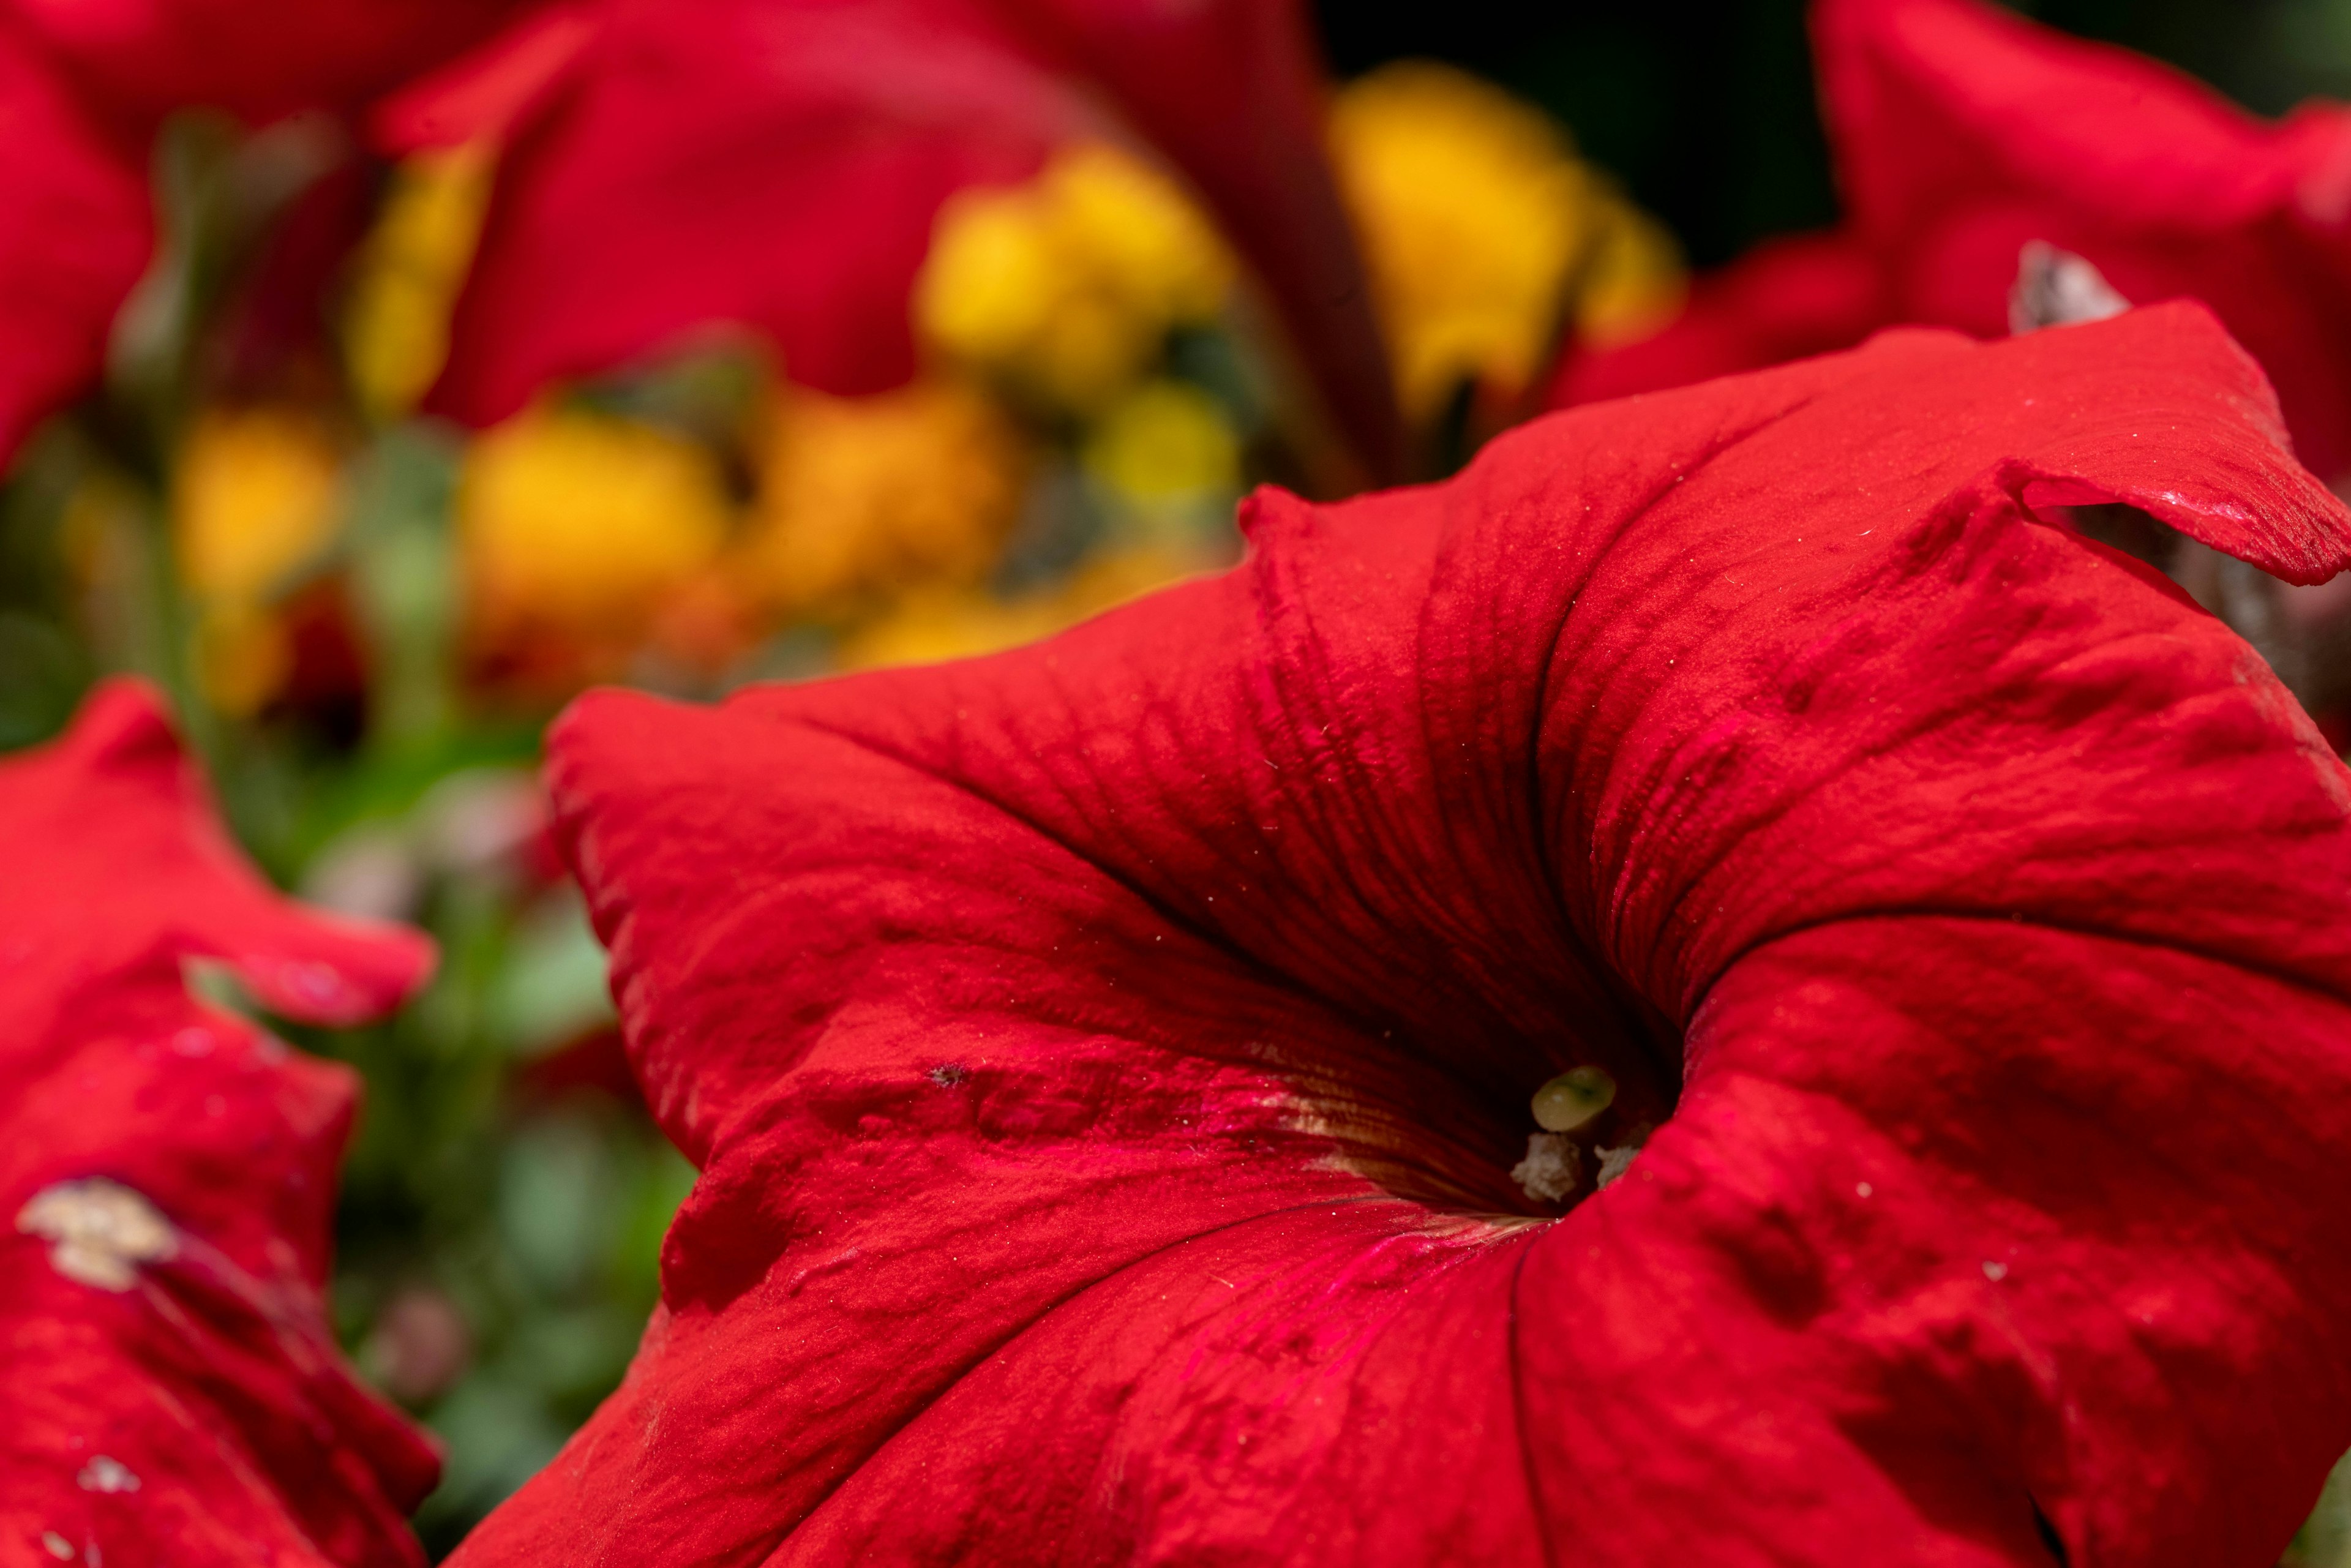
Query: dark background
x=1706, y=109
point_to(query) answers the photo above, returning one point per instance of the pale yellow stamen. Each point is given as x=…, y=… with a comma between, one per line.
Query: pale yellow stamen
x=1573, y=1099
x=99, y=1231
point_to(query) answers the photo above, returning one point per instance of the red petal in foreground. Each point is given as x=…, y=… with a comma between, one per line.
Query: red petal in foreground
x=1961, y=132
x=75, y=238
x=172, y=1393
x=680, y=167
x=1106, y=1061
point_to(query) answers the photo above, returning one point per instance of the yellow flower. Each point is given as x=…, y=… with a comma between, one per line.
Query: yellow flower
x=1481, y=227
x=256, y=492
x=945, y=623
x=1632, y=281
x=1166, y=442
x=256, y=495
x=396, y=327
x=576, y=524
x=1067, y=287
x=859, y=496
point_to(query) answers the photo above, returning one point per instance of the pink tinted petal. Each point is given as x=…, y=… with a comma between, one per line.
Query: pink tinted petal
x=74, y=238
x=1105, y=1059
x=198, y=1366
x=1961, y=131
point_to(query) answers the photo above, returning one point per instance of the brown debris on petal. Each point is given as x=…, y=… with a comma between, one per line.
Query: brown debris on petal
x=99, y=1231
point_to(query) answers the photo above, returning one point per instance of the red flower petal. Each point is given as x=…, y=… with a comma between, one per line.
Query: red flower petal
x=738, y=161
x=142, y=59
x=1785, y=299
x=173, y=1394
x=780, y=166
x=1960, y=132
x=75, y=239
x=1105, y=1060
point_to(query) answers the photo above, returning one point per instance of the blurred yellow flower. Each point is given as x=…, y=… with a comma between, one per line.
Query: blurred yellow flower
x=1067, y=287
x=1632, y=281
x=576, y=525
x=396, y=325
x=1166, y=441
x=947, y=623
x=256, y=494
x=1483, y=232
x=860, y=498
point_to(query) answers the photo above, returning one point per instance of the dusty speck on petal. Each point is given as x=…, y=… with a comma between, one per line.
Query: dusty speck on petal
x=104, y=1474
x=99, y=1231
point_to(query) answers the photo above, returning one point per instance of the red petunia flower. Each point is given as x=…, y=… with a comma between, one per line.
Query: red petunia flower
x=82, y=87
x=139, y=59
x=780, y=166
x=173, y=1394
x=1962, y=132
x=76, y=236
x=1109, y=1063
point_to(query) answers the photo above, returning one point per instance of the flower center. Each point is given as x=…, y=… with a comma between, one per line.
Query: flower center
x=1573, y=1111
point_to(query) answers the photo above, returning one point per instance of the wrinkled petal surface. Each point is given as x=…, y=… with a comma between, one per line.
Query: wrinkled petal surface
x=172, y=1392
x=1104, y=1059
x=75, y=232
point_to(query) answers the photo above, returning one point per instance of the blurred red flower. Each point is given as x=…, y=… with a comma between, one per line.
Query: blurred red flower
x=779, y=165
x=173, y=1394
x=1961, y=132
x=1106, y=1061
x=137, y=61
x=82, y=87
